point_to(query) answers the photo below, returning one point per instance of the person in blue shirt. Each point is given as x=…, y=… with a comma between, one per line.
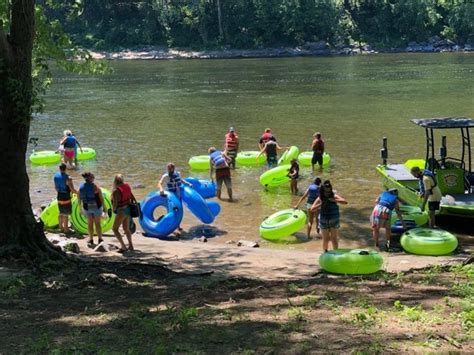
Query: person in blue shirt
x=382, y=215
x=64, y=186
x=312, y=193
x=70, y=144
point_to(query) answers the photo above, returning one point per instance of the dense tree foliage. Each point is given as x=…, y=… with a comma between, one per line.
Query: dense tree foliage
x=106, y=24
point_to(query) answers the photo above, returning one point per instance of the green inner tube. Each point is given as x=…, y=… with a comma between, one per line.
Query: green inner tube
x=86, y=154
x=249, y=158
x=282, y=224
x=411, y=213
x=200, y=162
x=45, y=157
x=305, y=158
x=426, y=241
x=351, y=261
x=275, y=177
x=50, y=215
x=289, y=155
x=79, y=220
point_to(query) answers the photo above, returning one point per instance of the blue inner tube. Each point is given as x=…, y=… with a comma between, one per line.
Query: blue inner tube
x=215, y=207
x=397, y=227
x=167, y=223
x=197, y=205
x=205, y=188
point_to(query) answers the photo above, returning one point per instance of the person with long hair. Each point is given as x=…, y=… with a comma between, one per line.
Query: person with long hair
x=122, y=196
x=328, y=204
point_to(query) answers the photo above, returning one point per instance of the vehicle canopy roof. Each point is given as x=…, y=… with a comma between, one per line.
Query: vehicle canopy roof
x=444, y=122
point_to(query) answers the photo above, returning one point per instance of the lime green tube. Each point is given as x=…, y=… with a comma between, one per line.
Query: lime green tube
x=50, y=215
x=249, y=158
x=275, y=177
x=289, y=155
x=79, y=221
x=200, y=162
x=305, y=158
x=426, y=241
x=45, y=157
x=351, y=261
x=86, y=154
x=412, y=213
x=282, y=224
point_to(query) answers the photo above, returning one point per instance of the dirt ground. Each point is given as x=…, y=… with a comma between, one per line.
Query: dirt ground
x=118, y=304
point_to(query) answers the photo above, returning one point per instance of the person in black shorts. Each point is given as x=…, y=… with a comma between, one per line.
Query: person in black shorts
x=64, y=186
x=318, y=151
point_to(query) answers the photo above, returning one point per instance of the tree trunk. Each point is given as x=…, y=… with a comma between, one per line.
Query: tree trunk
x=219, y=20
x=20, y=233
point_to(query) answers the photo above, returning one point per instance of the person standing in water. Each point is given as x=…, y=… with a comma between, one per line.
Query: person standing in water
x=122, y=197
x=312, y=193
x=70, y=144
x=64, y=186
x=328, y=204
x=172, y=180
x=318, y=151
x=294, y=175
x=90, y=195
x=231, y=146
x=270, y=148
x=219, y=162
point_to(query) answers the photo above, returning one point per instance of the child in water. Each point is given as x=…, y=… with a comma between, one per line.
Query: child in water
x=294, y=174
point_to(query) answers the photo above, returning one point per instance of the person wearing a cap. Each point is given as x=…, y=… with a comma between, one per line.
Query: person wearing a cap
x=219, y=162
x=429, y=191
x=382, y=214
x=231, y=146
x=312, y=193
x=172, y=180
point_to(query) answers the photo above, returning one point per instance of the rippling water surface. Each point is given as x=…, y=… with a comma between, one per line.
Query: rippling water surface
x=148, y=113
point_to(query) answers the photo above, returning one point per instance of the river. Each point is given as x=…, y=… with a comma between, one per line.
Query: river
x=148, y=113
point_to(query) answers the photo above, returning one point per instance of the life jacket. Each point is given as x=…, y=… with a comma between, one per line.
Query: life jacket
x=318, y=147
x=266, y=137
x=388, y=200
x=329, y=209
x=125, y=193
x=313, y=193
x=88, y=196
x=70, y=142
x=231, y=141
x=174, y=181
x=217, y=158
x=271, y=149
x=429, y=173
x=60, y=180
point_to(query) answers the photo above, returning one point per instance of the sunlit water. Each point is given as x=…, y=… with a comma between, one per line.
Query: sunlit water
x=148, y=113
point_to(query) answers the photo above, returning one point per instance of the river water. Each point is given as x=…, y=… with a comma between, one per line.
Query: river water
x=148, y=113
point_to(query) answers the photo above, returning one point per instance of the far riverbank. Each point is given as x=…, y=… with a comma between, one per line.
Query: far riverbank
x=313, y=49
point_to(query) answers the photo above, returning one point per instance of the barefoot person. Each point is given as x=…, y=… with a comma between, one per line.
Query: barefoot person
x=92, y=201
x=270, y=148
x=294, y=175
x=219, y=162
x=122, y=197
x=64, y=186
x=266, y=135
x=318, y=151
x=231, y=146
x=312, y=193
x=172, y=180
x=70, y=144
x=429, y=191
x=328, y=205
x=382, y=214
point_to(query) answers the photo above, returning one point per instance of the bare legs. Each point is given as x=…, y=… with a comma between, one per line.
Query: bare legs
x=64, y=223
x=330, y=235
x=91, y=222
x=122, y=219
x=312, y=218
x=294, y=186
